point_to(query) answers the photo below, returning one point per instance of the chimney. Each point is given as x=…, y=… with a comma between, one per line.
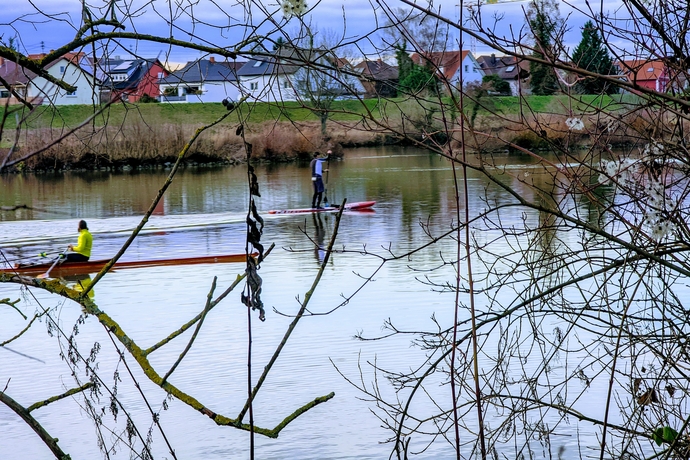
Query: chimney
x=212, y=59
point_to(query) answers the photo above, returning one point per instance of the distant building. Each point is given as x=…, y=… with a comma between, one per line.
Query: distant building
x=268, y=78
x=75, y=70
x=652, y=74
x=458, y=68
x=18, y=79
x=130, y=79
x=285, y=76
x=72, y=68
x=205, y=80
x=378, y=78
x=509, y=68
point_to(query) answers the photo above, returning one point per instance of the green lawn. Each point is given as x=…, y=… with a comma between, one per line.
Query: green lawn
x=350, y=110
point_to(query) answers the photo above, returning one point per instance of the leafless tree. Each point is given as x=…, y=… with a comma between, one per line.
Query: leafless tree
x=587, y=296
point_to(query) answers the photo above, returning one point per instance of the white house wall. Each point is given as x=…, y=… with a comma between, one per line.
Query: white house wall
x=217, y=91
x=471, y=72
x=210, y=92
x=268, y=88
x=71, y=74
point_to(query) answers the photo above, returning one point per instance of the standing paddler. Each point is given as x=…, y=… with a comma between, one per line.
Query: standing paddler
x=317, y=179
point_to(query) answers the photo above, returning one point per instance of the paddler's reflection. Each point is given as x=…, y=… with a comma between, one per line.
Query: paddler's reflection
x=319, y=236
x=79, y=283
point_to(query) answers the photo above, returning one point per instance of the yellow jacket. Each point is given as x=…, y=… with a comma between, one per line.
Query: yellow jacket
x=84, y=243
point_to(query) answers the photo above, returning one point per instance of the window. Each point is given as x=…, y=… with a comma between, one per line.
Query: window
x=510, y=69
x=192, y=90
x=286, y=84
x=161, y=75
x=62, y=69
x=467, y=68
x=258, y=64
x=4, y=93
x=254, y=86
x=72, y=93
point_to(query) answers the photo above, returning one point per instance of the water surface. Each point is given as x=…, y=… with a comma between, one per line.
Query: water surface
x=203, y=213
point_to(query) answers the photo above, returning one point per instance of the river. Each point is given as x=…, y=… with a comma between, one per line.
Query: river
x=203, y=213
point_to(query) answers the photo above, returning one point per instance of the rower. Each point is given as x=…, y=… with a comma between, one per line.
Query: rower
x=82, y=251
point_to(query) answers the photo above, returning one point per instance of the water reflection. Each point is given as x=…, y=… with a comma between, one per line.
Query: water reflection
x=319, y=236
x=204, y=214
x=79, y=283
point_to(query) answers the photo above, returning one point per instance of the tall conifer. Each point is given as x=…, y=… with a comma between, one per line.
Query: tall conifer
x=592, y=55
x=544, y=20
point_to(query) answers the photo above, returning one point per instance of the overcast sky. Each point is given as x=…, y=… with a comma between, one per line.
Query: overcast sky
x=55, y=23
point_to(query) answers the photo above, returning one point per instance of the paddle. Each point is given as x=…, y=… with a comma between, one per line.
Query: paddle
x=325, y=187
x=57, y=259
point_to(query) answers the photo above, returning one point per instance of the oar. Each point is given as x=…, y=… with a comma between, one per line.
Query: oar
x=57, y=259
x=325, y=187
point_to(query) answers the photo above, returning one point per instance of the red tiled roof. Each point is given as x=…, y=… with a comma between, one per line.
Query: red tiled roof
x=446, y=63
x=642, y=70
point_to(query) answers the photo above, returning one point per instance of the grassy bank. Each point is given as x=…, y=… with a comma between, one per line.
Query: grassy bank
x=257, y=113
x=152, y=134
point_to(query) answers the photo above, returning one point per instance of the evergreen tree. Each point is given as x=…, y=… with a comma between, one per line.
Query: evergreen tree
x=592, y=55
x=544, y=21
x=405, y=63
x=279, y=44
x=419, y=78
x=497, y=84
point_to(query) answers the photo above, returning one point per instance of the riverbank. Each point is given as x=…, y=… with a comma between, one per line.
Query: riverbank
x=151, y=135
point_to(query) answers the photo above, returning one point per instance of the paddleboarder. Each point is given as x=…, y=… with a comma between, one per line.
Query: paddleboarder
x=317, y=170
x=82, y=251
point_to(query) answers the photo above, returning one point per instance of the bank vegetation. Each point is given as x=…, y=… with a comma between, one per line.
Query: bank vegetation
x=148, y=135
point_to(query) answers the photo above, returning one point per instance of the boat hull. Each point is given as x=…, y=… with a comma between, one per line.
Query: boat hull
x=356, y=206
x=94, y=266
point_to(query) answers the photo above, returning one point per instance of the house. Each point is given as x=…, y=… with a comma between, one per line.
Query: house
x=458, y=68
x=509, y=68
x=378, y=78
x=72, y=69
x=323, y=77
x=205, y=80
x=268, y=78
x=652, y=74
x=17, y=78
x=130, y=79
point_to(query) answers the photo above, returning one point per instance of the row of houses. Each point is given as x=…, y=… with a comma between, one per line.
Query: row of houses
x=267, y=78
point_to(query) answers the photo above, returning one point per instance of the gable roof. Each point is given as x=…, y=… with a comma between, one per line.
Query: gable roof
x=133, y=71
x=283, y=62
x=13, y=73
x=642, y=70
x=506, y=67
x=203, y=70
x=75, y=59
x=446, y=63
x=288, y=60
x=377, y=70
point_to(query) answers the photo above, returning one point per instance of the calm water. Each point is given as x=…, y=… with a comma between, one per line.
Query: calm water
x=202, y=214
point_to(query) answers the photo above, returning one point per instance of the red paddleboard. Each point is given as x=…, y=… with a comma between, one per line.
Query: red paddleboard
x=358, y=206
